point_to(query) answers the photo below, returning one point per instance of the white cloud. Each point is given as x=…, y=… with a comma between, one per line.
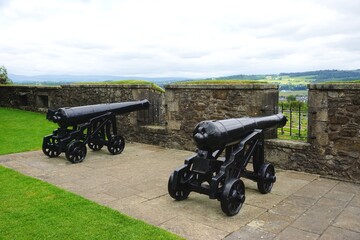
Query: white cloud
x=178, y=38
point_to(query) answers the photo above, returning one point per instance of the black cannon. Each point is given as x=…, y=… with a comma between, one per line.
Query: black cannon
x=94, y=125
x=224, y=148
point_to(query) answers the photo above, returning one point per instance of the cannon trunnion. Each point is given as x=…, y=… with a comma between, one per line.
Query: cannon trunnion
x=225, y=148
x=92, y=125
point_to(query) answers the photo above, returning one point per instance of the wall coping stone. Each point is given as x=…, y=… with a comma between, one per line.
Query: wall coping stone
x=130, y=86
x=222, y=86
x=30, y=86
x=155, y=128
x=334, y=86
x=287, y=144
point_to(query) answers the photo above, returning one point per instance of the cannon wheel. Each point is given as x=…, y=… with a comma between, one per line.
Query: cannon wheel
x=233, y=197
x=95, y=147
x=179, y=192
x=50, y=147
x=116, y=144
x=75, y=151
x=97, y=137
x=267, y=178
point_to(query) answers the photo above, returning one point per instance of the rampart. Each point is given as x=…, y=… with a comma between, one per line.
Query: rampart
x=333, y=147
x=40, y=98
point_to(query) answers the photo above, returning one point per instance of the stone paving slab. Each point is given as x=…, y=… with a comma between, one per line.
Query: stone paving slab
x=300, y=206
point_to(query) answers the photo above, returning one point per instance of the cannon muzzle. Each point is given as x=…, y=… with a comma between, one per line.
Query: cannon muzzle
x=77, y=115
x=216, y=134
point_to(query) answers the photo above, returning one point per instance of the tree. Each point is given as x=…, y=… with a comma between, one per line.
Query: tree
x=291, y=98
x=4, y=79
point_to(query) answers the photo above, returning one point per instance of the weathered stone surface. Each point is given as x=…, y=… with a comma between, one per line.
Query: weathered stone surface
x=349, y=218
x=335, y=233
x=249, y=232
x=196, y=103
x=220, y=94
x=293, y=233
x=319, y=216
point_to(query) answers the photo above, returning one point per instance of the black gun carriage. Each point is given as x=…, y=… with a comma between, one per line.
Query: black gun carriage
x=94, y=125
x=224, y=148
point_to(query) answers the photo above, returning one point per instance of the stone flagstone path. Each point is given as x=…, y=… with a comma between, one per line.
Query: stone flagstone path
x=300, y=206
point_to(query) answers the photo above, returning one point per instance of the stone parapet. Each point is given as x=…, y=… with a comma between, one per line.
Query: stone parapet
x=189, y=104
x=333, y=147
x=334, y=129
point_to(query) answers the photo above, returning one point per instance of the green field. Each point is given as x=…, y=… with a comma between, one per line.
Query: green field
x=294, y=93
x=286, y=80
x=223, y=82
x=296, y=127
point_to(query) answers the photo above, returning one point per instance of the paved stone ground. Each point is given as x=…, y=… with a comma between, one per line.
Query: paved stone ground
x=300, y=206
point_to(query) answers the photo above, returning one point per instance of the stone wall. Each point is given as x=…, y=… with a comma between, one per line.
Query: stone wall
x=31, y=98
x=335, y=128
x=187, y=105
x=40, y=98
x=333, y=148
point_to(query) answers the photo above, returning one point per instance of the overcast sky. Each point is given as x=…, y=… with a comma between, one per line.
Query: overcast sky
x=178, y=38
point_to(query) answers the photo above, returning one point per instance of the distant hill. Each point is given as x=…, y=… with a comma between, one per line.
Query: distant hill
x=299, y=80
x=327, y=75
x=315, y=76
x=287, y=81
x=66, y=79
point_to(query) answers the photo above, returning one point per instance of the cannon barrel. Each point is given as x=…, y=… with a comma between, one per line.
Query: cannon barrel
x=216, y=134
x=76, y=115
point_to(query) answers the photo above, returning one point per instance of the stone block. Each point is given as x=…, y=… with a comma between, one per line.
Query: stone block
x=200, y=106
x=220, y=94
x=356, y=100
x=322, y=115
x=169, y=96
x=293, y=233
x=338, y=120
x=298, y=157
x=333, y=94
x=324, y=211
x=276, y=156
x=173, y=125
x=349, y=219
x=318, y=99
x=192, y=230
x=271, y=222
x=350, y=130
x=249, y=232
x=288, y=209
x=322, y=139
x=347, y=145
x=316, y=189
x=336, y=233
x=173, y=106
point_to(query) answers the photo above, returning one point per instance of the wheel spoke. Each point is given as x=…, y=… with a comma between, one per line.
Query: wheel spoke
x=76, y=152
x=267, y=178
x=232, y=197
x=116, y=144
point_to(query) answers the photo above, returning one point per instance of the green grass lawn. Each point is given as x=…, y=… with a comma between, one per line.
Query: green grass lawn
x=32, y=209
x=22, y=130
